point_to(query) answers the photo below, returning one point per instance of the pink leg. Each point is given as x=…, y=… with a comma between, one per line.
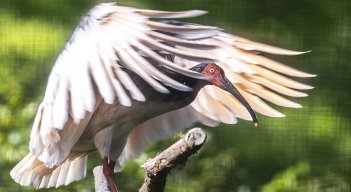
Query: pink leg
x=107, y=169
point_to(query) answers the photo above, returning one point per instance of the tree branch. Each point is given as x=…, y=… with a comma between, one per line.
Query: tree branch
x=100, y=180
x=157, y=169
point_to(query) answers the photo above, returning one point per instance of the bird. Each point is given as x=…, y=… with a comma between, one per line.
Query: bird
x=128, y=77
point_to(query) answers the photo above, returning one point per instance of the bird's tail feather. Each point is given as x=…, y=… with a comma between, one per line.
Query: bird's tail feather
x=31, y=171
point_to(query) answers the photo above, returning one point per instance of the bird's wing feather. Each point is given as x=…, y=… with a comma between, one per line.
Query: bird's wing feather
x=160, y=127
x=258, y=78
x=255, y=76
x=108, y=39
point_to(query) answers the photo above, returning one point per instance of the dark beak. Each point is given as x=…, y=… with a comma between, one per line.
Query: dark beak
x=228, y=86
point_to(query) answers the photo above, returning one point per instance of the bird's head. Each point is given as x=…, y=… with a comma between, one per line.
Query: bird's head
x=216, y=76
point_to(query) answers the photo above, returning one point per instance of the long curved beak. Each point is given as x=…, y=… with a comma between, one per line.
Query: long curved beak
x=228, y=86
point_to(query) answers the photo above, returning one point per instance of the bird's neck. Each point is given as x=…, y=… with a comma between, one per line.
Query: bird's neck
x=195, y=84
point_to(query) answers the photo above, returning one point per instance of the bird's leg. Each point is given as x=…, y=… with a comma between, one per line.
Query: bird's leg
x=107, y=169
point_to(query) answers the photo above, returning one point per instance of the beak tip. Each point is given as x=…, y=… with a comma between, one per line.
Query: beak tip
x=256, y=125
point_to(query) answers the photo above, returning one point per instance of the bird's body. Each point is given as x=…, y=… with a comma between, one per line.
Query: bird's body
x=123, y=81
x=121, y=119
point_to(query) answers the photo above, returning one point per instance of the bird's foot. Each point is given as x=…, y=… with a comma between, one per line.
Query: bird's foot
x=107, y=169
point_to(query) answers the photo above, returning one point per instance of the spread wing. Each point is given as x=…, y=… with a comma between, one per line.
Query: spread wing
x=108, y=39
x=258, y=78
x=160, y=127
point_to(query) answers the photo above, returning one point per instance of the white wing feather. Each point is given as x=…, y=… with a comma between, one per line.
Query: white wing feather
x=159, y=127
x=255, y=77
x=110, y=38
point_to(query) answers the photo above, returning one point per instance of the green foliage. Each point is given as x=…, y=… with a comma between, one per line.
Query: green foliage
x=298, y=178
x=309, y=150
x=288, y=179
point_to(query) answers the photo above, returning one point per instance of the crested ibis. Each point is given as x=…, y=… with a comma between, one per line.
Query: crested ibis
x=124, y=81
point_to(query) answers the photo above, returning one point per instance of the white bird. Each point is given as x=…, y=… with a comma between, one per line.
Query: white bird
x=124, y=81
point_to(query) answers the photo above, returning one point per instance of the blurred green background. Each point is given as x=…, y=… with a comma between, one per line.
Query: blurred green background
x=309, y=150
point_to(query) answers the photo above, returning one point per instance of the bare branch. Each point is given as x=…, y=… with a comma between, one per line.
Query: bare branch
x=157, y=169
x=100, y=180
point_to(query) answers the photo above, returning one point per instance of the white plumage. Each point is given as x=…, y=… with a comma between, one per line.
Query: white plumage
x=89, y=77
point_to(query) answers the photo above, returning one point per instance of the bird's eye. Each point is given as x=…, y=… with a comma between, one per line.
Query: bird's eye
x=212, y=70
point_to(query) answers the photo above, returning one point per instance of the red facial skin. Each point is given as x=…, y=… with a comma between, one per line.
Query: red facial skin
x=217, y=78
x=215, y=73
